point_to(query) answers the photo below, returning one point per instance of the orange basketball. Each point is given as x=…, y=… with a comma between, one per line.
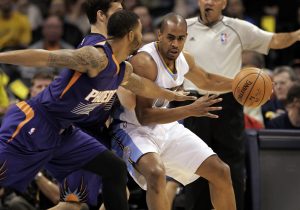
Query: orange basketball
x=252, y=87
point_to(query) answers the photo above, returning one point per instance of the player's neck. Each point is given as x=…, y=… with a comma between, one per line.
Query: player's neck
x=169, y=63
x=99, y=28
x=120, y=51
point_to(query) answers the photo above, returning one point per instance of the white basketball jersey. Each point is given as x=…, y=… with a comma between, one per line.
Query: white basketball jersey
x=165, y=79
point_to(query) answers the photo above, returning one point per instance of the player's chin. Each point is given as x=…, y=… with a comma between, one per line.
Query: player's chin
x=172, y=56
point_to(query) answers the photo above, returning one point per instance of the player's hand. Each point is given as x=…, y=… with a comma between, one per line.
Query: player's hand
x=203, y=106
x=180, y=96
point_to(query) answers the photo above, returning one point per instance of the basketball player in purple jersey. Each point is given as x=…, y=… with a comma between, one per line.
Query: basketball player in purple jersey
x=32, y=133
x=97, y=129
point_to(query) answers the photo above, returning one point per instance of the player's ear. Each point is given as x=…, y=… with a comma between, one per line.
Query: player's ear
x=224, y=4
x=159, y=34
x=101, y=16
x=131, y=36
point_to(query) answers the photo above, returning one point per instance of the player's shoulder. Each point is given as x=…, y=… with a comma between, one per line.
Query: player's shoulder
x=142, y=59
x=150, y=48
x=234, y=22
x=146, y=53
x=191, y=21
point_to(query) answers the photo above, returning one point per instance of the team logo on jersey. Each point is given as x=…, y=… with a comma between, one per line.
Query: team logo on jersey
x=224, y=38
x=95, y=98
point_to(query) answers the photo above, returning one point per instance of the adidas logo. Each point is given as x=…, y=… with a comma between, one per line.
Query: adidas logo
x=192, y=39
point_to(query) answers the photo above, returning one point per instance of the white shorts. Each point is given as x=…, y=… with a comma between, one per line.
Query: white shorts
x=181, y=151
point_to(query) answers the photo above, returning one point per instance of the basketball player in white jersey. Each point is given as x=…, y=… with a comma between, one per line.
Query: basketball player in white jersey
x=151, y=140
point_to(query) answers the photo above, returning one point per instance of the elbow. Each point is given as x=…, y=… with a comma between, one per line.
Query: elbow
x=143, y=121
x=143, y=118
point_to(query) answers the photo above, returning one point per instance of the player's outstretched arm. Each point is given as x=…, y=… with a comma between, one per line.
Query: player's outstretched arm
x=205, y=80
x=284, y=40
x=148, y=115
x=86, y=59
x=146, y=88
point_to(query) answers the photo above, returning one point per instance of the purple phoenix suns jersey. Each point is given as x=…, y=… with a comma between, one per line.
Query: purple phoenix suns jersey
x=75, y=97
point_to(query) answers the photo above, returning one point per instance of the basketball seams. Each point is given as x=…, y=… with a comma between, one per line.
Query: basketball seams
x=252, y=86
x=252, y=96
x=267, y=80
x=262, y=99
x=237, y=85
x=265, y=85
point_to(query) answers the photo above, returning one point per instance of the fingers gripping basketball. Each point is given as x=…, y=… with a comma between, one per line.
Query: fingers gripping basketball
x=252, y=87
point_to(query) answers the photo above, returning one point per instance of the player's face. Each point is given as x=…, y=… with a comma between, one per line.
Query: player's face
x=171, y=40
x=211, y=10
x=137, y=40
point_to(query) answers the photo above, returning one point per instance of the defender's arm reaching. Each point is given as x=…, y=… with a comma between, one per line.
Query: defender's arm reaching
x=88, y=59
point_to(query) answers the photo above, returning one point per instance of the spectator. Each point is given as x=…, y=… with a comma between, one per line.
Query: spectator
x=15, y=28
x=71, y=33
x=236, y=9
x=158, y=8
x=39, y=82
x=76, y=15
x=145, y=17
x=296, y=66
x=31, y=11
x=283, y=79
x=146, y=20
x=52, y=40
x=290, y=119
x=185, y=8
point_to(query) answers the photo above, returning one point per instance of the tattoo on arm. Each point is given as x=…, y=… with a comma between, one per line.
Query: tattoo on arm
x=83, y=59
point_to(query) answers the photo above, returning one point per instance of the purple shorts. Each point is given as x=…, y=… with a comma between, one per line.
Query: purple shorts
x=31, y=140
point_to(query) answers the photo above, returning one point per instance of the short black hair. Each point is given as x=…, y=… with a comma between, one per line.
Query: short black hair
x=121, y=23
x=173, y=17
x=93, y=6
x=293, y=93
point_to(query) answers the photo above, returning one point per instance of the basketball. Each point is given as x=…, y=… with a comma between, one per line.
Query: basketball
x=252, y=87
